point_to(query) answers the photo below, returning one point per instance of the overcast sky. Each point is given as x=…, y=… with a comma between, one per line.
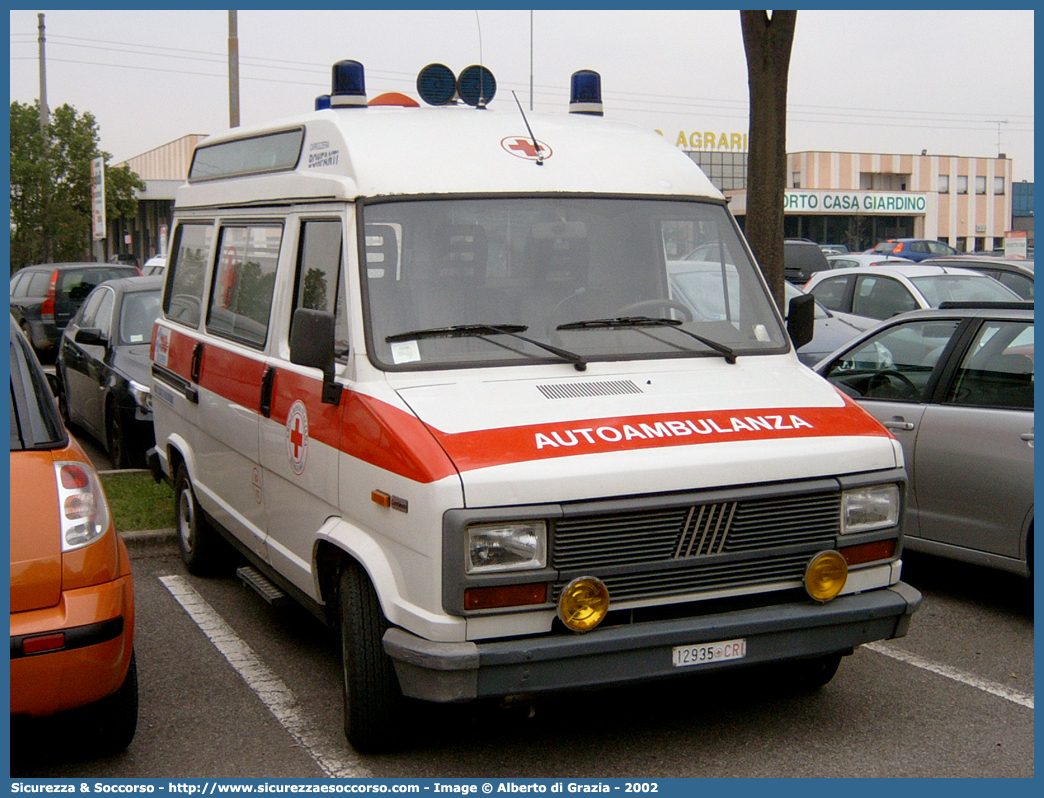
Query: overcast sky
x=949, y=82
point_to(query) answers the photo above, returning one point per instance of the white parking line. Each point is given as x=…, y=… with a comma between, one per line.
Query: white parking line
x=263, y=681
x=987, y=686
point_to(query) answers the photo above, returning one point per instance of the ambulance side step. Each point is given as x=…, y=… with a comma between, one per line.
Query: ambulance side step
x=258, y=582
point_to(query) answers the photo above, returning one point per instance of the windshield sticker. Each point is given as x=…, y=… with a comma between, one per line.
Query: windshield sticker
x=405, y=352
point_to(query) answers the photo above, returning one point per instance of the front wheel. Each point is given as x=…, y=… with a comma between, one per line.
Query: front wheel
x=374, y=707
x=203, y=550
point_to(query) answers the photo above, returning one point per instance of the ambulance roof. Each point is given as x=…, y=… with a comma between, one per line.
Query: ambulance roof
x=342, y=154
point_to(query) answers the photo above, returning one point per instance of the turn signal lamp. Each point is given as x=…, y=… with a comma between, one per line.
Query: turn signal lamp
x=487, y=598
x=349, y=85
x=583, y=604
x=585, y=93
x=826, y=575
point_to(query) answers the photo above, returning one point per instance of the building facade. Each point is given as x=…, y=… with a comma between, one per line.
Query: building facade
x=859, y=199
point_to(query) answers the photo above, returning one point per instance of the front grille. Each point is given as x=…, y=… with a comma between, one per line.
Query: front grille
x=666, y=551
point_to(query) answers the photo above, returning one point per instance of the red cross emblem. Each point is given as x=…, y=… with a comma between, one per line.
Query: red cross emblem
x=297, y=436
x=524, y=147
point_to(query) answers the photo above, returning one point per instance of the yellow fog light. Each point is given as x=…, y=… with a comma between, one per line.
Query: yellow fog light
x=583, y=604
x=826, y=575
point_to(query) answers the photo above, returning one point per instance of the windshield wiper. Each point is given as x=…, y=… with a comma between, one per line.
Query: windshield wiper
x=479, y=330
x=648, y=321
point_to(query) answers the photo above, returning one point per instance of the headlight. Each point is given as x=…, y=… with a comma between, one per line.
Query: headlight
x=873, y=507
x=142, y=395
x=506, y=547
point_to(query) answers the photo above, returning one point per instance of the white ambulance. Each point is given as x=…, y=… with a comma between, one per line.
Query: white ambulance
x=504, y=398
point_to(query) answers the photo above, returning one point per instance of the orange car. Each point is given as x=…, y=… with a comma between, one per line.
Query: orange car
x=72, y=595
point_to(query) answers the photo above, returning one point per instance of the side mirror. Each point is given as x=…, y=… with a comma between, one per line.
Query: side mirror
x=312, y=344
x=90, y=336
x=801, y=319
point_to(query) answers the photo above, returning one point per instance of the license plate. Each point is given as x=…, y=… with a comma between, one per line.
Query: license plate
x=705, y=653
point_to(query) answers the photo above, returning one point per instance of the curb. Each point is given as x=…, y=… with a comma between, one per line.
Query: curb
x=150, y=539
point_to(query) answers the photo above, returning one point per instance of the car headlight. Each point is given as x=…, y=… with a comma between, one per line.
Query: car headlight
x=142, y=395
x=511, y=546
x=872, y=507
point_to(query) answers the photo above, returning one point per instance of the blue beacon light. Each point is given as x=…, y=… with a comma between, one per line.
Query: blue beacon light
x=585, y=93
x=322, y=102
x=349, y=85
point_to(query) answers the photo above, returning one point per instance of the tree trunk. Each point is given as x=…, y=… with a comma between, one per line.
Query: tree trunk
x=767, y=39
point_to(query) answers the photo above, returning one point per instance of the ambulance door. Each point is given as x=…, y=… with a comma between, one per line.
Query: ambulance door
x=300, y=434
x=232, y=365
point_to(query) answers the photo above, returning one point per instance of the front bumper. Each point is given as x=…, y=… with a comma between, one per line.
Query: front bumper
x=448, y=672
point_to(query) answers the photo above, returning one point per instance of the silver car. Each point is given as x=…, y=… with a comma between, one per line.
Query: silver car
x=955, y=387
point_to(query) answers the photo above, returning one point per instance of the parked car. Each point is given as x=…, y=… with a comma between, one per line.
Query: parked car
x=955, y=387
x=1015, y=274
x=155, y=265
x=72, y=593
x=103, y=367
x=879, y=292
x=915, y=249
x=833, y=249
x=832, y=330
x=854, y=259
x=45, y=297
x=802, y=259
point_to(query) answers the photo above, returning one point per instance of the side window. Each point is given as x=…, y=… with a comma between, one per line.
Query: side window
x=38, y=284
x=895, y=364
x=881, y=297
x=103, y=321
x=997, y=371
x=1019, y=283
x=244, y=280
x=317, y=283
x=19, y=284
x=183, y=298
x=831, y=293
x=89, y=311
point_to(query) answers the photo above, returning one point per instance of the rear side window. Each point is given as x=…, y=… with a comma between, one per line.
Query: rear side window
x=34, y=415
x=37, y=284
x=189, y=255
x=244, y=281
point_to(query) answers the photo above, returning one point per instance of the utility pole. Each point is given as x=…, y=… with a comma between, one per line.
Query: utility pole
x=233, y=69
x=45, y=114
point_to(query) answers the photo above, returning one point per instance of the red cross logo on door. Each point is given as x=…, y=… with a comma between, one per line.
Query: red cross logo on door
x=297, y=436
x=524, y=147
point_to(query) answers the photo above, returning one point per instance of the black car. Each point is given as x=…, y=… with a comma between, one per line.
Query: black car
x=103, y=367
x=44, y=297
x=802, y=259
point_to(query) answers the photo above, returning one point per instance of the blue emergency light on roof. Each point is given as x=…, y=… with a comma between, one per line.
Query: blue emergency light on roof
x=322, y=102
x=476, y=86
x=349, y=85
x=436, y=84
x=585, y=93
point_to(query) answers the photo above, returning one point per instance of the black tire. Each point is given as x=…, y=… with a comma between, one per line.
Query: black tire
x=806, y=675
x=116, y=438
x=203, y=550
x=374, y=707
x=109, y=725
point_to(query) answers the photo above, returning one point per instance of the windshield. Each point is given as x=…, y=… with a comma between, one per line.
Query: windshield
x=941, y=288
x=479, y=282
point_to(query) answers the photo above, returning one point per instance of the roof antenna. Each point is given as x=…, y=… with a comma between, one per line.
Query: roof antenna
x=536, y=146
